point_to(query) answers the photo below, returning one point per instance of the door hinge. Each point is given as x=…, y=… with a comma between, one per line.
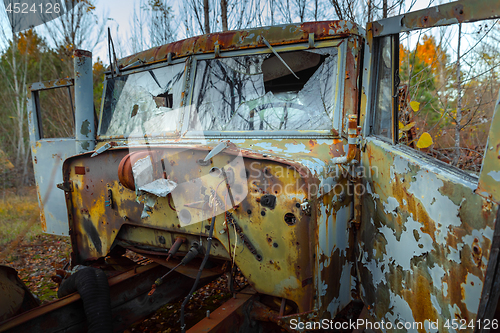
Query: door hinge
x=65, y=186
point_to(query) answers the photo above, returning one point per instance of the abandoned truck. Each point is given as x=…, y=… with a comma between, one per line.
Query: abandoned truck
x=273, y=150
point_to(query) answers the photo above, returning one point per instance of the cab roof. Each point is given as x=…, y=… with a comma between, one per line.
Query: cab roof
x=244, y=39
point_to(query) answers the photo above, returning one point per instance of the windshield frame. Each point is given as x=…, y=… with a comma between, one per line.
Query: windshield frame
x=188, y=91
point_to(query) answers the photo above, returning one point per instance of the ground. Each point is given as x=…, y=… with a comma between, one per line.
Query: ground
x=36, y=256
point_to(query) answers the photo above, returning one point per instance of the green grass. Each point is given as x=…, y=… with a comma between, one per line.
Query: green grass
x=16, y=214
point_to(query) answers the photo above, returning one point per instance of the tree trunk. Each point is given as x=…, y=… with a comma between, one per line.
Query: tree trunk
x=338, y=11
x=223, y=14
x=206, y=10
x=384, y=9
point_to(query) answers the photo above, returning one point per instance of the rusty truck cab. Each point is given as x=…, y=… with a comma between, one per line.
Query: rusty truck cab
x=242, y=126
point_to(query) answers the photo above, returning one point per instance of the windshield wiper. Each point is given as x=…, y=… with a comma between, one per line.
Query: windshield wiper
x=276, y=54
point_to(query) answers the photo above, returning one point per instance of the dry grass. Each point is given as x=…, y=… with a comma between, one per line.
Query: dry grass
x=19, y=216
x=23, y=245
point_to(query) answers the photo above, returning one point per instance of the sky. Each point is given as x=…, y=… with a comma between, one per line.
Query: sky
x=118, y=13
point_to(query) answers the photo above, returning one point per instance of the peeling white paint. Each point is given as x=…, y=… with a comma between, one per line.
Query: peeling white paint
x=400, y=311
x=440, y=208
x=495, y=175
x=390, y=206
x=323, y=287
x=445, y=289
x=267, y=146
x=479, y=234
x=296, y=148
x=435, y=303
x=472, y=292
x=454, y=311
x=378, y=269
x=437, y=274
x=454, y=255
x=404, y=249
x=399, y=166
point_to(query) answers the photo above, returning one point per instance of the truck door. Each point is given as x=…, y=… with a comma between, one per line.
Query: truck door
x=426, y=253
x=49, y=150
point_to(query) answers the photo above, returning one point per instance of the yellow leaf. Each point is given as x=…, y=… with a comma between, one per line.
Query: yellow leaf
x=424, y=141
x=401, y=125
x=408, y=127
x=415, y=106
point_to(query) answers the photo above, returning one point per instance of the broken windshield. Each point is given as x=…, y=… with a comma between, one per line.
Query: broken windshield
x=143, y=103
x=258, y=92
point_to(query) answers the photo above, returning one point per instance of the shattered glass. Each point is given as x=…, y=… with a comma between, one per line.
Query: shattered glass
x=143, y=103
x=243, y=93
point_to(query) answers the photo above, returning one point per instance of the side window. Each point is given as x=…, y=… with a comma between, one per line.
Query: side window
x=383, y=124
x=54, y=108
x=449, y=87
x=57, y=115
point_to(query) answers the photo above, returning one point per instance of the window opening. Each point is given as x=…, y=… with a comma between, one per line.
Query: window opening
x=143, y=103
x=258, y=92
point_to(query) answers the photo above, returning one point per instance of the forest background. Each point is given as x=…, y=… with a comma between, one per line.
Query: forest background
x=449, y=76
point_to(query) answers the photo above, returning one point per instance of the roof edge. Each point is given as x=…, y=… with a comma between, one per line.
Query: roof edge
x=244, y=39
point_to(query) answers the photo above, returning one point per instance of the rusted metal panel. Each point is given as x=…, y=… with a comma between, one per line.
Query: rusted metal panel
x=294, y=172
x=425, y=238
x=245, y=39
x=489, y=179
x=129, y=302
x=48, y=157
x=351, y=83
x=446, y=14
x=229, y=317
x=52, y=84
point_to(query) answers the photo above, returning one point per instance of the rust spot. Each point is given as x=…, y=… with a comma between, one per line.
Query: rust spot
x=458, y=12
x=79, y=170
